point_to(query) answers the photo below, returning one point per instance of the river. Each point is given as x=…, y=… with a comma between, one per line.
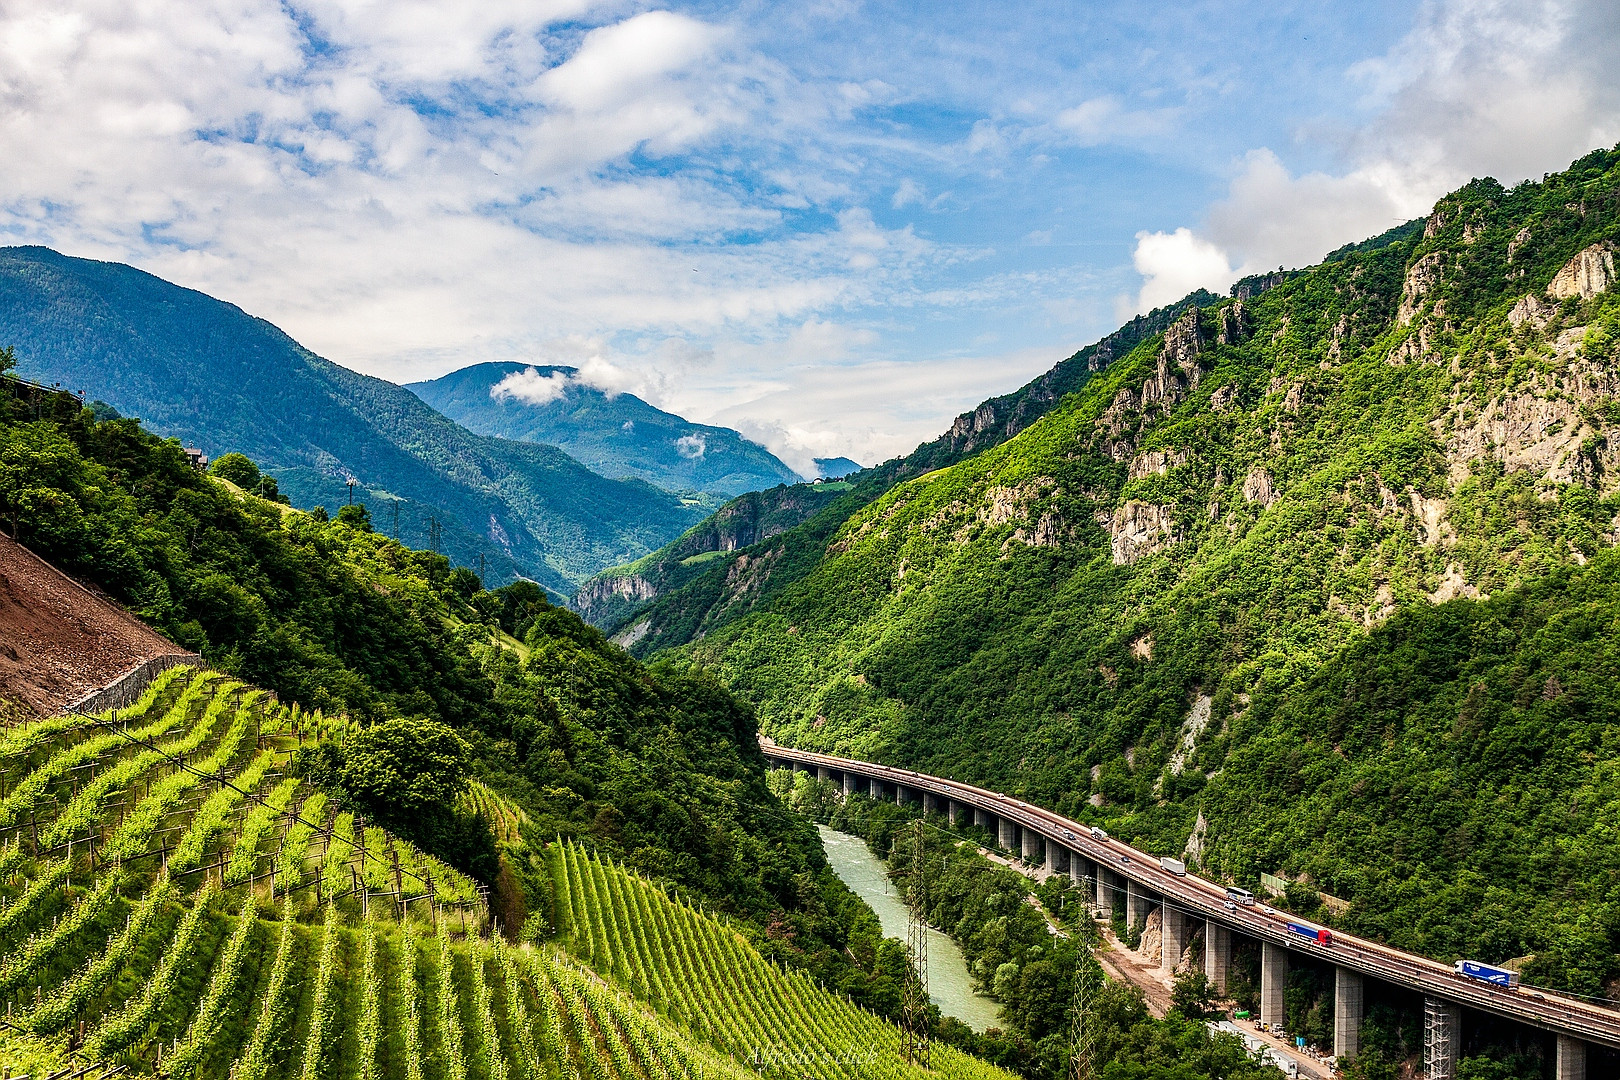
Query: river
x=949, y=983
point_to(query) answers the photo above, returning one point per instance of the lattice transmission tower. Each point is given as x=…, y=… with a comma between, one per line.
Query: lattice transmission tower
x=1082, y=1028
x=914, y=1003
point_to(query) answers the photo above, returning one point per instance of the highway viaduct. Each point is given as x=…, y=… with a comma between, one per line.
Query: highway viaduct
x=1113, y=870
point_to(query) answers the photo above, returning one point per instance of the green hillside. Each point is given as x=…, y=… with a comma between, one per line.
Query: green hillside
x=616, y=435
x=211, y=375
x=691, y=586
x=1112, y=609
x=659, y=767
x=179, y=906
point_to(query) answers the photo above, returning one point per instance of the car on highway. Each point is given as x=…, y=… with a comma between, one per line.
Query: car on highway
x=1124, y=858
x=1229, y=906
x=1268, y=909
x=1067, y=835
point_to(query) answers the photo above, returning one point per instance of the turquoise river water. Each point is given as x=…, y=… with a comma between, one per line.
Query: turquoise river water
x=949, y=983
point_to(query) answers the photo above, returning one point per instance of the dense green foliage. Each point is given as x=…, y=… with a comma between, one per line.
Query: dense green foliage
x=661, y=768
x=1017, y=957
x=615, y=435
x=206, y=372
x=1120, y=611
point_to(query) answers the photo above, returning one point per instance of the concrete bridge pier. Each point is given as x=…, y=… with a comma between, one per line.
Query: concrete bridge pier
x=823, y=773
x=984, y=820
x=874, y=788
x=1137, y=904
x=900, y=795
x=849, y=784
x=1442, y=1038
x=1007, y=835
x=1347, y=1004
x=1217, y=955
x=1058, y=857
x=954, y=811
x=1029, y=844
x=1571, y=1063
x=1273, y=981
x=1080, y=870
x=1107, y=895
x=1173, y=925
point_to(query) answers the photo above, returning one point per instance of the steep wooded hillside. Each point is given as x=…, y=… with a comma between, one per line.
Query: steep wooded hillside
x=1113, y=608
x=687, y=588
x=209, y=374
x=615, y=434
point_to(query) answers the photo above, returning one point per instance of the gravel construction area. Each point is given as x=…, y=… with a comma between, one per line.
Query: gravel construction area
x=60, y=640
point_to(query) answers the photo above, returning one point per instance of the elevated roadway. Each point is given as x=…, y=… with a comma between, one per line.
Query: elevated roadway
x=1116, y=868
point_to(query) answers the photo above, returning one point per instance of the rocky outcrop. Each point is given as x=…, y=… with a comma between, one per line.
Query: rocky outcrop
x=1231, y=324
x=1156, y=463
x=1530, y=309
x=1257, y=487
x=600, y=594
x=1421, y=278
x=1590, y=272
x=1138, y=529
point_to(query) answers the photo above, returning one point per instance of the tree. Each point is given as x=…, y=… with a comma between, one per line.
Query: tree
x=355, y=515
x=1192, y=996
x=238, y=469
x=410, y=766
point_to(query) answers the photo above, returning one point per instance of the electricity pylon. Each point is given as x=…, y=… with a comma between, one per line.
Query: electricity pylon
x=914, y=1003
x=1082, y=1024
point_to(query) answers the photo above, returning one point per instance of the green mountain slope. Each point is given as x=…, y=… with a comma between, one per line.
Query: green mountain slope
x=616, y=435
x=188, y=934
x=1101, y=612
x=205, y=372
x=660, y=768
x=687, y=588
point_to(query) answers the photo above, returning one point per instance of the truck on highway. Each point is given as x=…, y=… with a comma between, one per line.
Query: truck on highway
x=1174, y=866
x=1319, y=934
x=1473, y=969
x=1099, y=834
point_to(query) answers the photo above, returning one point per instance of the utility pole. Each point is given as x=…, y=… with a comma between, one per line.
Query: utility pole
x=351, y=492
x=433, y=534
x=914, y=1002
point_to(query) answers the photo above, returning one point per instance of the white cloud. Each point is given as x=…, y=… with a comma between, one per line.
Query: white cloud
x=1106, y=119
x=1172, y=265
x=1476, y=88
x=691, y=446
x=531, y=387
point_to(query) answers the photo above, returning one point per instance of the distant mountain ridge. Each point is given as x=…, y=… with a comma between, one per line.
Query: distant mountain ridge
x=614, y=434
x=206, y=372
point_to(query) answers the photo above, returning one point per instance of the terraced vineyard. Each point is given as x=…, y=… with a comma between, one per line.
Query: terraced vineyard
x=175, y=905
x=705, y=976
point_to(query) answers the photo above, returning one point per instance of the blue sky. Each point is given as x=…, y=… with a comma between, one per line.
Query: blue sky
x=833, y=225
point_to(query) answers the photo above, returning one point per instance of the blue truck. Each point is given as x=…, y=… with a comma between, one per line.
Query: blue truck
x=1473, y=969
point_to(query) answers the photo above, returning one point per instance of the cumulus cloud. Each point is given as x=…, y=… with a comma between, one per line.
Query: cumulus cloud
x=531, y=387
x=1476, y=88
x=1172, y=265
x=692, y=446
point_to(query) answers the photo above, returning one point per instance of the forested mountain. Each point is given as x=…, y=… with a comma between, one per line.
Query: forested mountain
x=211, y=375
x=690, y=580
x=615, y=434
x=1228, y=594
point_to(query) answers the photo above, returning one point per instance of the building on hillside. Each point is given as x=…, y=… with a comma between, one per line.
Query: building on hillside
x=196, y=458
